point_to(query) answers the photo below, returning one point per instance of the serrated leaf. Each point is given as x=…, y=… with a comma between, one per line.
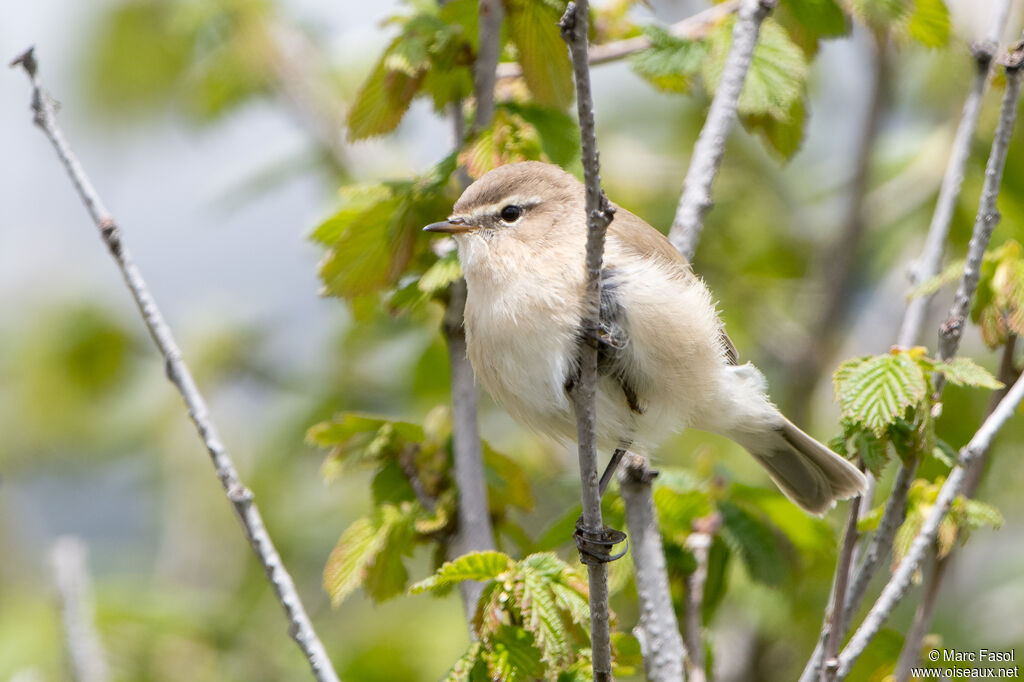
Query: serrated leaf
x=559, y=134
x=777, y=75
x=513, y=655
x=541, y=617
x=384, y=98
x=473, y=566
x=363, y=556
x=508, y=139
x=533, y=27
x=873, y=391
x=881, y=14
x=821, y=18
x=439, y=275
x=872, y=452
x=962, y=371
x=755, y=542
x=670, y=63
x=977, y=514
x=469, y=667
x=929, y=23
x=355, y=200
x=783, y=135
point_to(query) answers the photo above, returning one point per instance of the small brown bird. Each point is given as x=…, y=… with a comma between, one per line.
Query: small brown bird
x=665, y=361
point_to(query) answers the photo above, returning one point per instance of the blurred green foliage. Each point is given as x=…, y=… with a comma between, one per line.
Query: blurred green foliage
x=80, y=389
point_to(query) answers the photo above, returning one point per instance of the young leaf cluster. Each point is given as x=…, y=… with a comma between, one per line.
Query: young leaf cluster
x=413, y=496
x=965, y=515
x=885, y=401
x=532, y=619
x=774, y=96
x=433, y=56
x=998, y=304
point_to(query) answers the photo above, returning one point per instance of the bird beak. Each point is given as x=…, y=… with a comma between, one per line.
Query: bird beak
x=450, y=226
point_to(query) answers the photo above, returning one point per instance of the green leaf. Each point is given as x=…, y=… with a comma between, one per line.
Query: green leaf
x=362, y=556
x=508, y=139
x=541, y=616
x=872, y=452
x=975, y=514
x=874, y=391
x=533, y=27
x=950, y=274
x=783, y=135
x=777, y=75
x=882, y=14
x=384, y=97
x=962, y=371
x=513, y=655
x=473, y=566
x=929, y=24
x=821, y=18
x=507, y=483
x=439, y=275
x=670, y=63
x=559, y=134
x=677, y=511
x=756, y=543
x=470, y=667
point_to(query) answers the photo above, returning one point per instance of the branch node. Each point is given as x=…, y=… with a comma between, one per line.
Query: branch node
x=26, y=60
x=1013, y=60
x=239, y=494
x=983, y=51
x=567, y=24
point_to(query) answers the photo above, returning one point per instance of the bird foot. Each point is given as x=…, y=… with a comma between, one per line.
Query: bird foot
x=595, y=547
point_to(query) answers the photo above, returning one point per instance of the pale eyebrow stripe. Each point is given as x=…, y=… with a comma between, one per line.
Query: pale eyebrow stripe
x=493, y=209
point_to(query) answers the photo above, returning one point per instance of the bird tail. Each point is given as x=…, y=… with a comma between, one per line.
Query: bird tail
x=810, y=474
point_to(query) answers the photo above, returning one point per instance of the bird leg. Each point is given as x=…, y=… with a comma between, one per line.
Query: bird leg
x=595, y=547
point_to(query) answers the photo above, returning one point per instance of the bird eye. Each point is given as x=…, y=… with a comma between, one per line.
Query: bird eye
x=510, y=214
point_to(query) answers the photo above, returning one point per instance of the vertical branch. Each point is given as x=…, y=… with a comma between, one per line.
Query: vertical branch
x=928, y=264
x=902, y=577
x=988, y=215
x=475, y=532
x=69, y=558
x=658, y=624
x=895, y=508
x=833, y=629
x=698, y=542
x=662, y=646
x=695, y=201
x=949, y=340
x=241, y=498
x=599, y=213
x=492, y=13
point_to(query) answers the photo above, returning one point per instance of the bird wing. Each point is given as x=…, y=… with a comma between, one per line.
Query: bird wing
x=637, y=238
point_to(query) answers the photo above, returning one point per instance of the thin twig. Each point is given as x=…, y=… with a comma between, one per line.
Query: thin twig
x=69, y=559
x=895, y=509
x=911, y=652
x=492, y=13
x=690, y=28
x=901, y=579
x=699, y=543
x=833, y=631
x=657, y=629
x=241, y=498
x=475, y=534
x=988, y=215
x=599, y=213
x=695, y=201
x=930, y=261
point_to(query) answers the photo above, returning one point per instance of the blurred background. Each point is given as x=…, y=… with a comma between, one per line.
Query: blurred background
x=203, y=127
